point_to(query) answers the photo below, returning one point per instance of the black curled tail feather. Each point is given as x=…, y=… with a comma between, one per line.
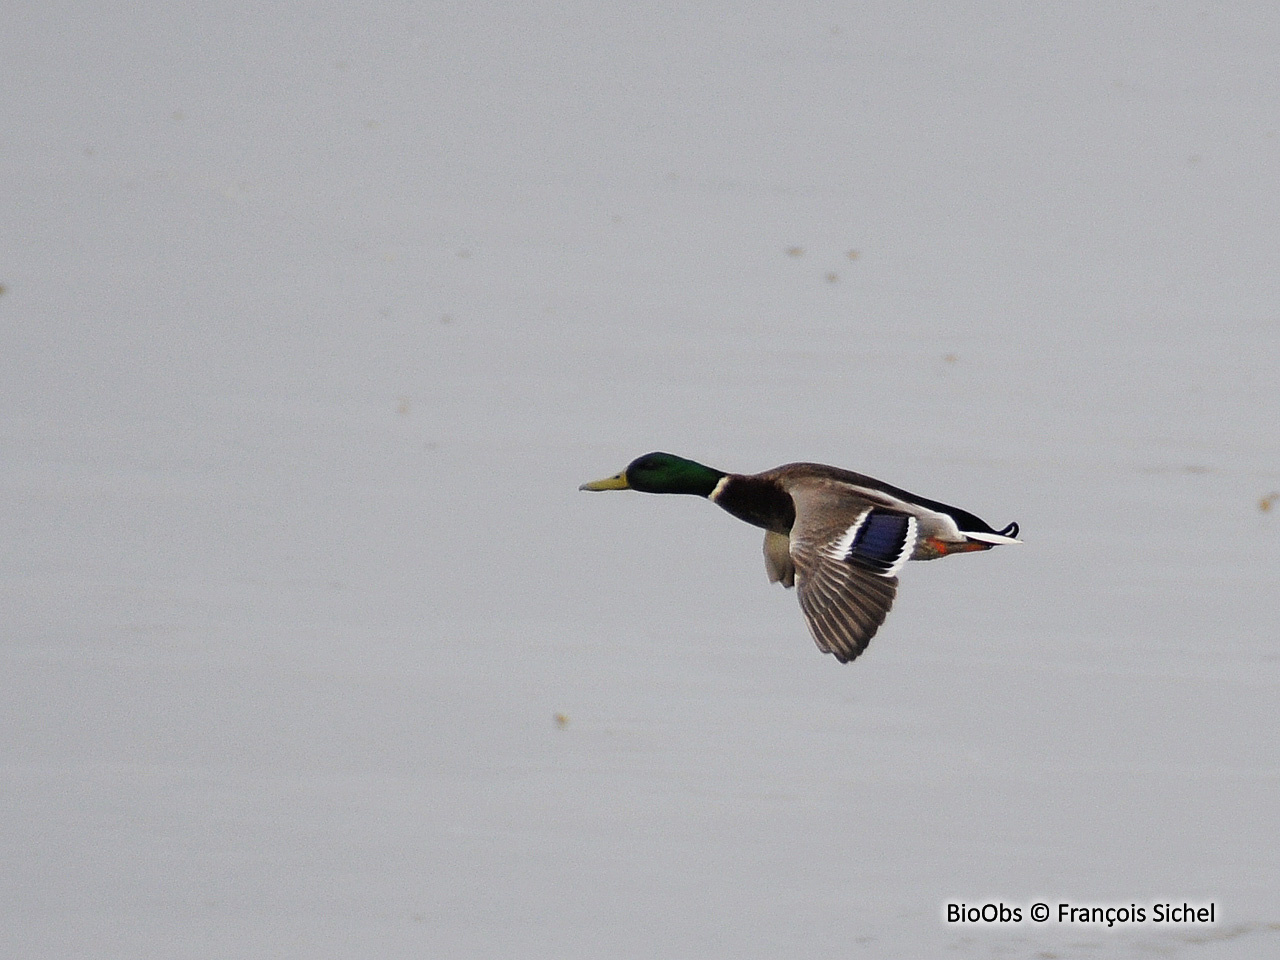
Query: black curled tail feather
x=1010, y=531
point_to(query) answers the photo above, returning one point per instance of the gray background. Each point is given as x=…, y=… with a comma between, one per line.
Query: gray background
x=314, y=318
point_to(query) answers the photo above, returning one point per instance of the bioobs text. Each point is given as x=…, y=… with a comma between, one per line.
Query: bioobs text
x=986, y=913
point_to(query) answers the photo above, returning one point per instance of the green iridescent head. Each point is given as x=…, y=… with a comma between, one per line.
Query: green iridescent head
x=661, y=473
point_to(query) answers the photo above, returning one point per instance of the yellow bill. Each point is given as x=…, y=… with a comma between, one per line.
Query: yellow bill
x=616, y=482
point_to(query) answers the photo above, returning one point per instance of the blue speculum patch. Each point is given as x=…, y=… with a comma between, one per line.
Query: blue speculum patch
x=879, y=540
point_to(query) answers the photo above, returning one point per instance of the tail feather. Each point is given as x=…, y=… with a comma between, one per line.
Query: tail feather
x=1008, y=535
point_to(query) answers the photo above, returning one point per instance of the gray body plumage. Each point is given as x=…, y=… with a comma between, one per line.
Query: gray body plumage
x=840, y=538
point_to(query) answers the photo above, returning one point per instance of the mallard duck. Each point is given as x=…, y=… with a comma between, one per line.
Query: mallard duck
x=841, y=536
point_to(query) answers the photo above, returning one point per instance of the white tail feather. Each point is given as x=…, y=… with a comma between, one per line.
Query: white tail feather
x=996, y=538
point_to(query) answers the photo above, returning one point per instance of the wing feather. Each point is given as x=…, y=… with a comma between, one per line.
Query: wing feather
x=844, y=600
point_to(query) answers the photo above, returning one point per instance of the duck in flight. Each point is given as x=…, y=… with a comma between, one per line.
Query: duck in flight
x=839, y=537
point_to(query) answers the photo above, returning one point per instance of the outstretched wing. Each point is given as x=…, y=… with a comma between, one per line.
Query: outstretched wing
x=847, y=555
